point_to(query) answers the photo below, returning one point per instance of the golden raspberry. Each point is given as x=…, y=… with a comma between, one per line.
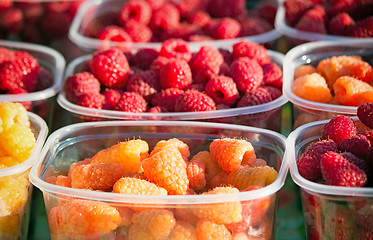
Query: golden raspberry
x=222, y=213
x=312, y=87
x=352, y=91
x=220, y=180
x=8, y=161
x=63, y=181
x=304, y=70
x=129, y=154
x=18, y=141
x=196, y=175
x=186, y=214
x=74, y=165
x=229, y=153
x=167, y=169
x=12, y=113
x=183, y=231
x=173, y=142
x=208, y=230
x=212, y=168
x=127, y=185
x=249, y=176
x=10, y=227
x=154, y=224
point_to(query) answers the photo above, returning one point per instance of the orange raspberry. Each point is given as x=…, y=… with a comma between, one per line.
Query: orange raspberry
x=249, y=176
x=167, y=169
x=229, y=153
x=50, y=179
x=129, y=154
x=84, y=162
x=304, y=70
x=63, y=181
x=312, y=87
x=222, y=213
x=351, y=91
x=196, y=175
x=96, y=176
x=152, y=224
x=212, y=168
x=183, y=231
x=127, y=185
x=173, y=142
x=207, y=230
x=8, y=161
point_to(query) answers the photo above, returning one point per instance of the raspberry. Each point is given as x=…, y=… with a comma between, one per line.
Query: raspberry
x=128, y=185
x=12, y=20
x=267, y=12
x=246, y=73
x=219, y=180
x=131, y=102
x=207, y=228
x=183, y=231
x=56, y=25
x=295, y=9
x=112, y=97
x=166, y=17
x=182, y=31
x=352, y=91
x=312, y=21
x=175, y=74
x=196, y=175
x=138, y=32
x=358, y=162
x=172, y=142
x=111, y=68
x=304, y=70
x=227, y=28
x=176, y=48
x=362, y=28
x=145, y=57
x=11, y=114
x=45, y=79
x=5, y=5
x=274, y=92
x=337, y=171
x=167, y=169
x=156, y=4
x=200, y=38
x=247, y=176
x=256, y=97
x=139, y=11
x=313, y=83
x=199, y=18
x=220, y=8
x=91, y=100
x=365, y=113
x=194, y=101
x=152, y=224
x=339, y=24
x=57, y=7
x=115, y=34
x=63, y=181
x=229, y=153
x=167, y=98
x=222, y=89
x=227, y=56
x=129, y=154
x=207, y=57
x=212, y=168
x=309, y=162
x=251, y=26
x=158, y=63
x=359, y=145
x=188, y=7
x=339, y=128
x=338, y=6
x=144, y=83
x=272, y=74
x=251, y=50
x=220, y=213
x=6, y=55
x=80, y=84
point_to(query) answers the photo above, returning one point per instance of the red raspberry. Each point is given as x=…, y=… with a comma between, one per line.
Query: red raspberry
x=194, y=101
x=338, y=6
x=255, y=97
x=57, y=6
x=207, y=57
x=200, y=38
x=176, y=48
x=136, y=10
x=188, y=7
x=199, y=18
x=295, y=9
x=144, y=83
x=111, y=68
x=251, y=26
x=251, y=50
x=175, y=74
x=32, y=12
x=273, y=91
x=115, y=34
x=339, y=128
x=227, y=28
x=80, y=84
x=227, y=55
x=139, y=32
x=6, y=55
x=183, y=31
x=220, y=8
x=12, y=20
x=157, y=109
x=358, y=144
x=272, y=74
x=45, y=79
x=365, y=113
x=156, y=4
x=196, y=86
x=360, y=163
x=337, y=171
x=309, y=162
x=362, y=28
x=167, y=17
x=144, y=58
x=339, y=24
x=167, y=98
x=267, y=12
x=247, y=74
x=112, y=97
x=91, y=100
x=312, y=21
x=131, y=102
x=222, y=89
x=56, y=25
x=5, y=5
x=158, y=63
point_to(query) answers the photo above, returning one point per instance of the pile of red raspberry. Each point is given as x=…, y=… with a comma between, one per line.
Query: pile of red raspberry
x=190, y=20
x=174, y=79
x=36, y=21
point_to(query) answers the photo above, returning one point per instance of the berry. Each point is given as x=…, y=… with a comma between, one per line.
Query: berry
x=365, y=114
x=338, y=6
x=6, y=55
x=247, y=74
x=175, y=74
x=182, y=31
x=254, y=26
x=144, y=58
x=339, y=24
x=12, y=20
x=220, y=8
x=272, y=74
x=115, y=34
x=352, y=91
x=45, y=79
x=312, y=21
x=112, y=97
x=188, y=7
x=157, y=109
x=274, y=92
x=158, y=63
x=11, y=114
x=144, y=83
x=56, y=25
x=362, y=28
x=199, y=18
x=207, y=228
x=295, y=9
x=359, y=145
x=166, y=17
x=337, y=171
x=359, y=162
x=174, y=143
x=167, y=98
x=304, y=70
x=222, y=89
x=267, y=12
x=80, y=84
x=91, y=100
x=339, y=128
x=312, y=87
x=176, y=48
x=207, y=57
x=212, y=168
x=183, y=231
x=139, y=11
x=256, y=97
x=131, y=102
x=196, y=175
x=247, y=176
x=194, y=101
x=227, y=28
x=251, y=50
x=128, y=185
x=138, y=32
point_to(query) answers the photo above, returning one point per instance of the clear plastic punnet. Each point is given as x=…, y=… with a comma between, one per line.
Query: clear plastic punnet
x=73, y=143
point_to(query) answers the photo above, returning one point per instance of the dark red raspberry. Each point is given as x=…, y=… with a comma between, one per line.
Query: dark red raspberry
x=251, y=26
x=362, y=28
x=295, y=9
x=139, y=32
x=194, y=101
x=339, y=128
x=131, y=102
x=273, y=91
x=267, y=12
x=337, y=171
x=368, y=134
x=157, y=109
x=247, y=74
x=167, y=98
x=196, y=86
x=365, y=114
x=255, y=97
x=144, y=58
x=357, y=144
x=227, y=55
x=26, y=104
x=312, y=21
x=45, y=79
x=91, y=100
x=272, y=74
x=223, y=90
x=220, y=8
x=136, y=10
x=227, y=28
x=338, y=6
x=56, y=25
x=207, y=57
x=339, y=24
x=32, y=12
x=12, y=20
x=224, y=69
x=359, y=162
x=80, y=84
x=111, y=68
x=251, y=50
x=115, y=34
x=175, y=74
x=167, y=17
x=188, y=7
x=57, y=6
x=200, y=18
x=176, y=48
x=144, y=83
x=112, y=97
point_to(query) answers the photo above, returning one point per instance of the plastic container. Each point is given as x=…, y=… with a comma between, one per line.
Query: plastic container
x=328, y=210
x=78, y=141
x=14, y=224
x=305, y=111
x=92, y=10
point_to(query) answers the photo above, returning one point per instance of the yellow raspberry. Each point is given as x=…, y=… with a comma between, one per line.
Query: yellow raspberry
x=173, y=142
x=248, y=176
x=153, y=224
x=212, y=168
x=222, y=213
x=8, y=161
x=13, y=113
x=129, y=154
x=127, y=185
x=229, y=153
x=209, y=230
x=10, y=227
x=167, y=169
x=18, y=141
x=183, y=231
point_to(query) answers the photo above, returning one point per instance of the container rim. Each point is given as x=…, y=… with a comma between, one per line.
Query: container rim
x=301, y=51
x=42, y=135
x=170, y=199
x=59, y=68
x=312, y=186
